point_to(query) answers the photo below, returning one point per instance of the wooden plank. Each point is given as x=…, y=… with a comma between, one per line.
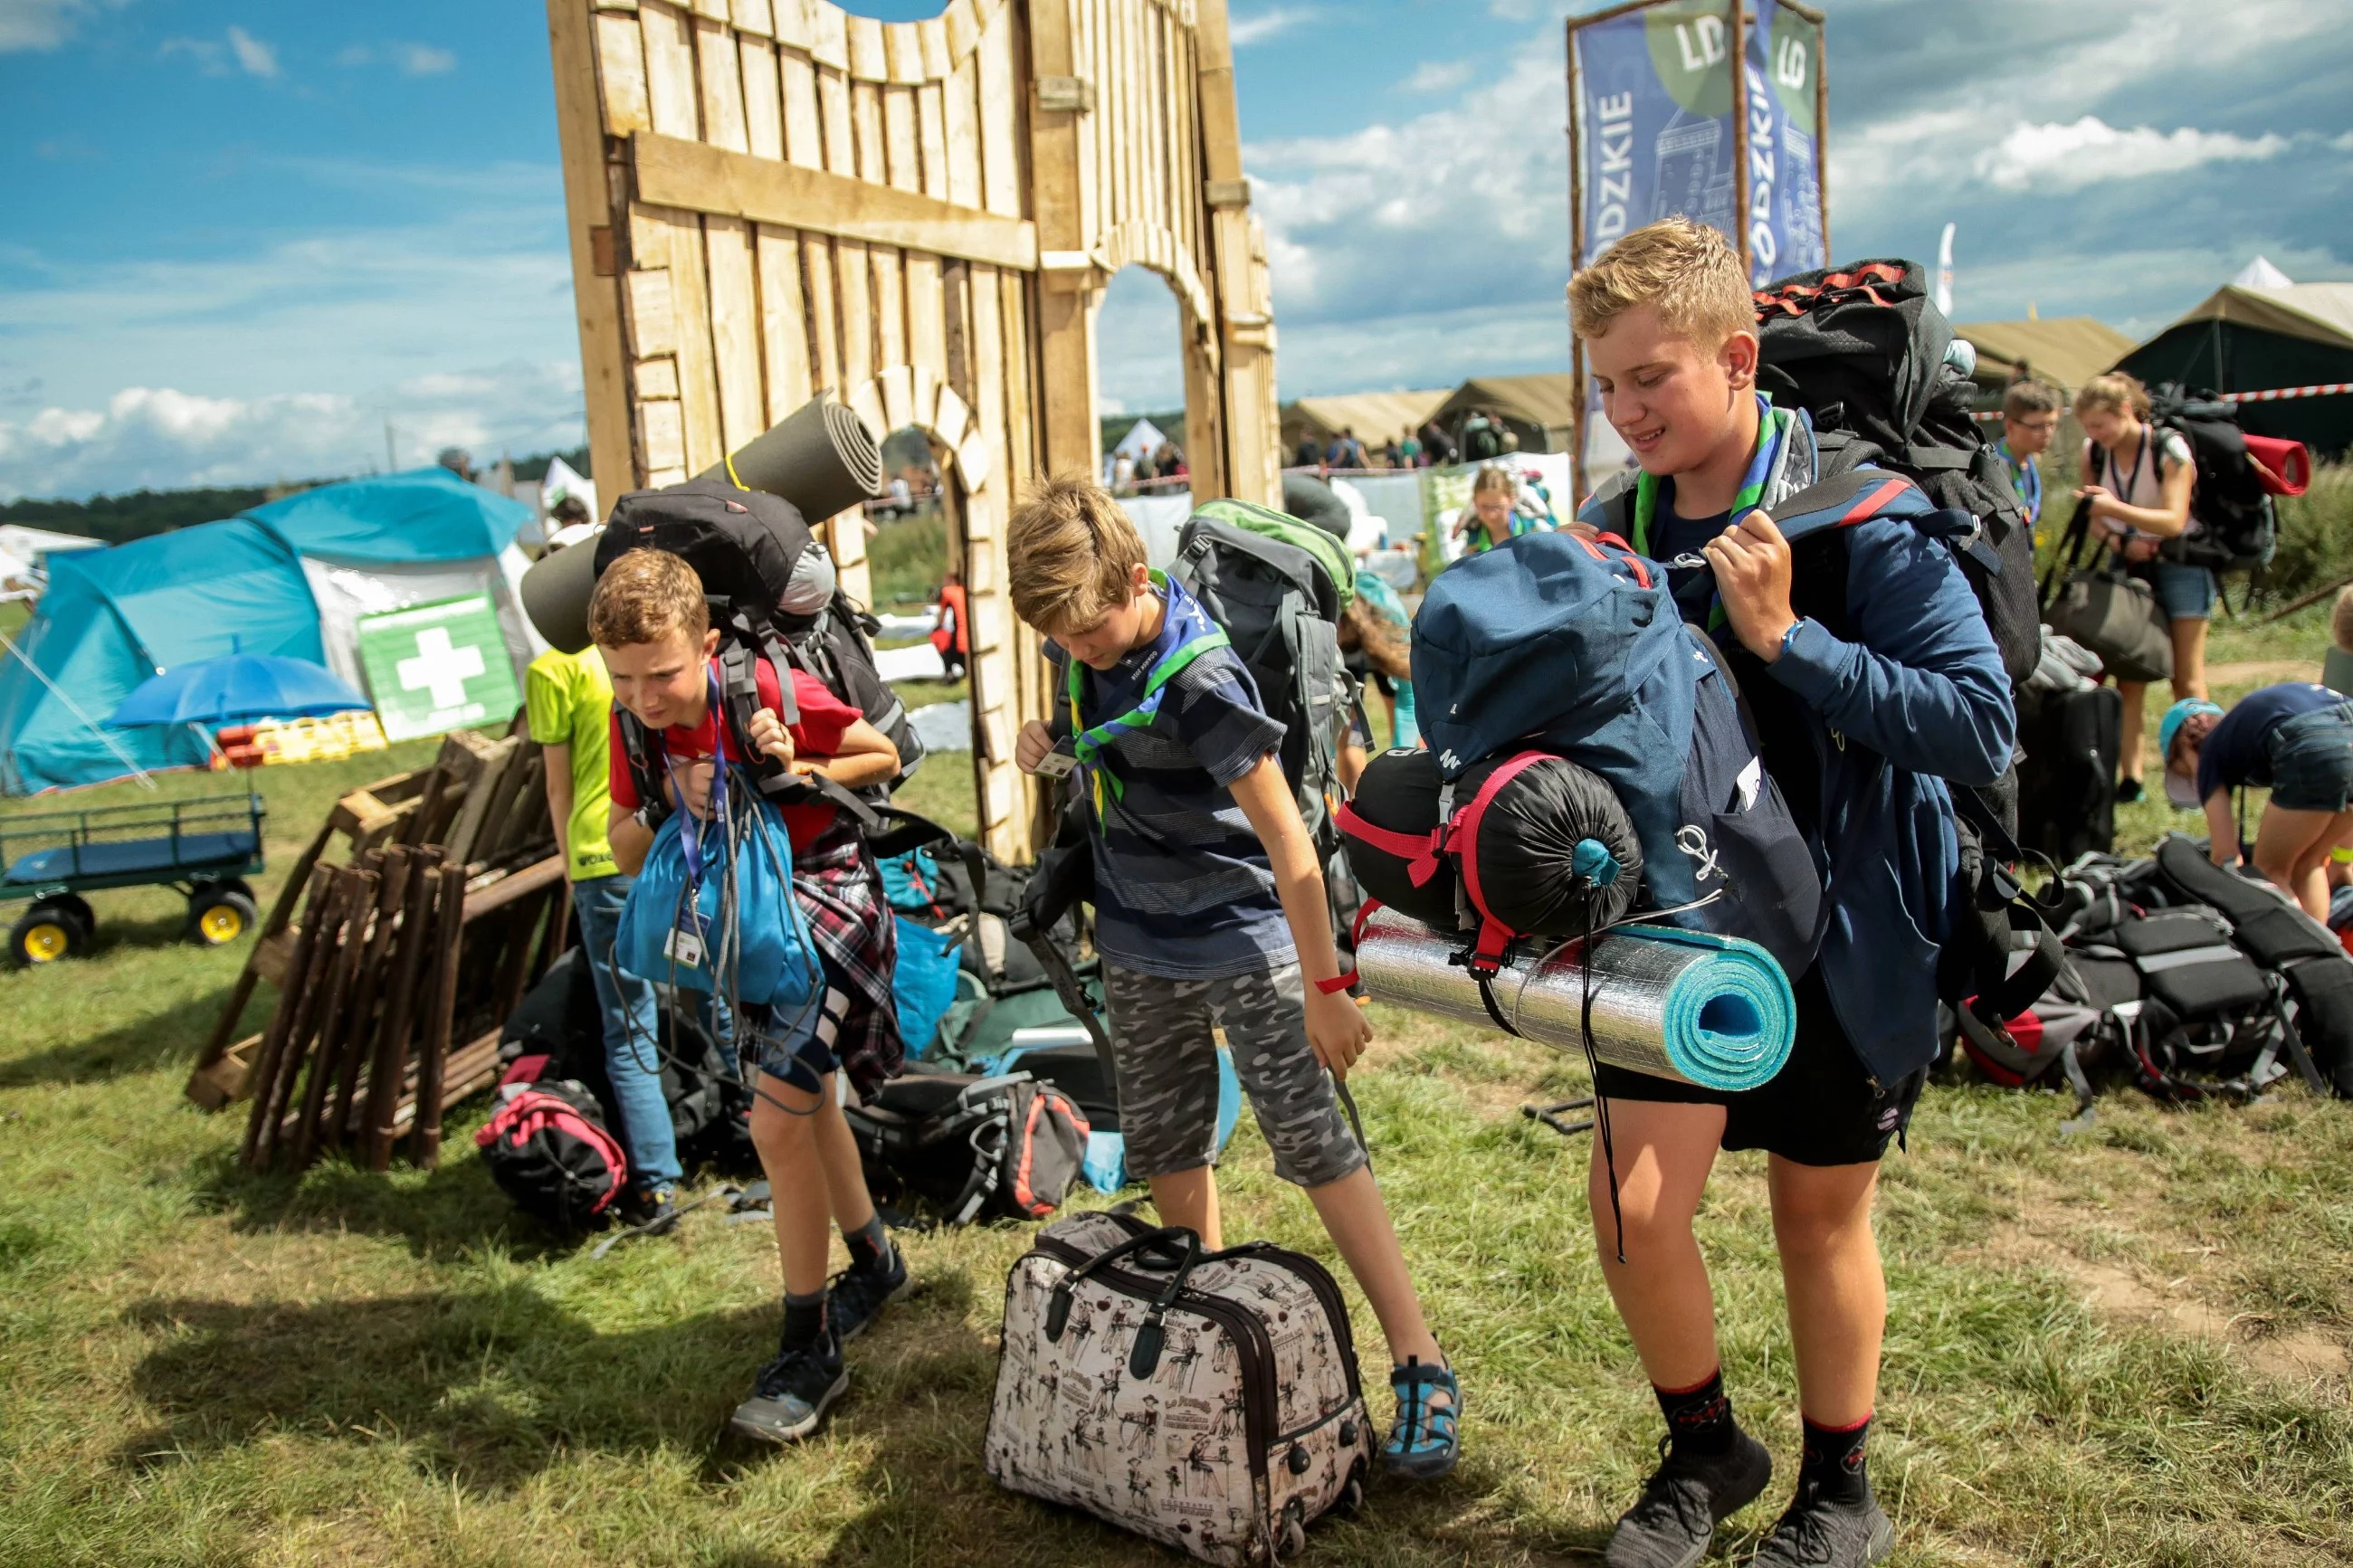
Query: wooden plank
x=655, y=378
x=866, y=112
x=795, y=22
x=228, y=1077
x=720, y=70
x=803, y=119
x=670, y=92
x=764, y=104
x=830, y=35
x=620, y=51
x=784, y=320
x=903, y=47
x=573, y=48
x=903, y=146
x=507, y=890
x=962, y=30
x=898, y=384
x=651, y=310
x=1000, y=122
x=960, y=109
x=1018, y=437
x=661, y=434
x=372, y=1002
x=735, y=330
x=870, y=57
x=389, y=1064
x=715, y=10
x=931, y=136
x=865, y=399
x=754, y=16
x=927, y=330
x=853, y=275
x=335, y=1020
x=890, y=307
x=698, y=374
x=825, y=321
x=689, y=175
x=434, y=1058
x=480, y=796
x=931, y=40
x=278, y=1041
x=840, y=137
x=989, y=352
x=846, y=537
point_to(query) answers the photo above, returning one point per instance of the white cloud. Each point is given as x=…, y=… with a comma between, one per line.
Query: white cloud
x=2090, y=151
x=1439, y=76
x=1248, y=30
x=253, y=57
x=410, y=60
x=42, y=24
x=164, y=438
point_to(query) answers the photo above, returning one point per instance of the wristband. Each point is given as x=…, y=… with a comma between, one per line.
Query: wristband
x=1338, y=983
x=1791, y=632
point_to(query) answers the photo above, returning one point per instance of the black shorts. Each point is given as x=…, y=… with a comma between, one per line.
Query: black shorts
x=1821, y=1108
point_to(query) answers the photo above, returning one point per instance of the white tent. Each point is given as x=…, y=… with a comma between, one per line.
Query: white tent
x=1143, y=438
x=21, y=549
x=2261, y=274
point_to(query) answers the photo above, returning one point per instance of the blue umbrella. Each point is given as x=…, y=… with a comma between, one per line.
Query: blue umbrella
x=234, y=689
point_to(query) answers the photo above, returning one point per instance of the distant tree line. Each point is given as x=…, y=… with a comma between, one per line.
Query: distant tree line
x=118, y=520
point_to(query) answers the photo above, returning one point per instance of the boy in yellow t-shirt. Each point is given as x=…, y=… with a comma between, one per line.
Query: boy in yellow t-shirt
x=569, y=699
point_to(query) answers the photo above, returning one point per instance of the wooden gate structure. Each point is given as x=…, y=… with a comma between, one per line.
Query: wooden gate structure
x=771, y=198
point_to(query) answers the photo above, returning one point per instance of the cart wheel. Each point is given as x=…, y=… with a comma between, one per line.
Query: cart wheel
x=77, y=907
x=46, y=932
x=219, y=916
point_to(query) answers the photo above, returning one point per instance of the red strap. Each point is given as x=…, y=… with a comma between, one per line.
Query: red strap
x=1642, y=572
x=1463, y=835
x=1493, y=937
x=1364, y=913
x=1419, y=853
x=1868, y=507
x=1338, y=983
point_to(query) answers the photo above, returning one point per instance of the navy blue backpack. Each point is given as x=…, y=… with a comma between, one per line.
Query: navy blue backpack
x=1555, y=643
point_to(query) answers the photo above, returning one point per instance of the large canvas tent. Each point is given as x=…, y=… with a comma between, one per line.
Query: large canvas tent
x=2065, y=350
x=1540, y=409
x=292, y=577
x=1375, y=416
x=2253, y=339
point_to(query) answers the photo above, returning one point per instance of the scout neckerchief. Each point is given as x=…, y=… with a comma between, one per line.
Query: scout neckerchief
x=2026, y=479
x=1773, y=425
x=1090, y=746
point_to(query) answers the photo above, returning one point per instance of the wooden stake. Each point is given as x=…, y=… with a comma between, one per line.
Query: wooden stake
x=358, y=889
x=418, y=934
x=434, y=1060
x=371, y=999
x=283, y=1017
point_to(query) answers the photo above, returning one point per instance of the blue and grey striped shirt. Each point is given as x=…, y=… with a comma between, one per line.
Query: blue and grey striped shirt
x=1183, y=888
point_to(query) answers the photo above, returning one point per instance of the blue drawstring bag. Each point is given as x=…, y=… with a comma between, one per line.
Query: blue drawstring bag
x=713, y=910
x=924, y=983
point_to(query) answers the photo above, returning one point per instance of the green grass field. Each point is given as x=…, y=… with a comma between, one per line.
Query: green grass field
x=2127, y=1346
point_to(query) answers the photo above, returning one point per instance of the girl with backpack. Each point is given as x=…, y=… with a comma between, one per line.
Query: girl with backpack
x=2137, y=478
x=1495, y=516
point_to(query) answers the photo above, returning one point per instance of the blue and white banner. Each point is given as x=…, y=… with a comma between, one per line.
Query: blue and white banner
x=1785, y=196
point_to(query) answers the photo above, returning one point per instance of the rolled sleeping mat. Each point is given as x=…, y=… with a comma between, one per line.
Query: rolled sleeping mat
x=821, y=457
x=1553, y=851
x=1692, y=1007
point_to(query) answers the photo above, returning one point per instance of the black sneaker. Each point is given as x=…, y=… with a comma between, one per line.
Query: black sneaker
x=857, y=1294
x=1825, y=1533
x=2128, y=791
x=1684, y=1500
x=792, y=1392
x=652, y=1210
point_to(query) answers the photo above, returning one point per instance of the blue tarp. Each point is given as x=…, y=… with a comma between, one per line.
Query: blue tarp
x=112, y=617
x=424, y=514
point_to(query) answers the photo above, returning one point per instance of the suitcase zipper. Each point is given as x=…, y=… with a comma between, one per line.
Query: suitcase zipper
x=1252, y=1345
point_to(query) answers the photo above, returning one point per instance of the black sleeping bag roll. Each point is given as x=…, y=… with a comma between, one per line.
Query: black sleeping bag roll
x=1526, y=853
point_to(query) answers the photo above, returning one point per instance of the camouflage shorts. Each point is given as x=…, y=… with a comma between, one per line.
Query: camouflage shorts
x=1167, y=1053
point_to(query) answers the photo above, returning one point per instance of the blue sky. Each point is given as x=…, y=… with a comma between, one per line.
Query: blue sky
x=243, y=234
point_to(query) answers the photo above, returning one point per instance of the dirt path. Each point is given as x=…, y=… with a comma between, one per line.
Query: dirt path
x=2262, y=672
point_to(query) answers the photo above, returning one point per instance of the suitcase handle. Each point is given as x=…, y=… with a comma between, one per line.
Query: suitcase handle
x=1144, y=1359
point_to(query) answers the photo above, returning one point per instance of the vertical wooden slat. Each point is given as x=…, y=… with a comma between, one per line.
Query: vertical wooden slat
x=620, y=51
x=357, y=891
x=854, y=292
x=577, y=54
x=721, y=70
x=756, y=16
x=902, y=147
x=825, y=319
x=804, y=121
x=796, y=23
x=784, y=320
x=890, y=307
x=698, y=373
x=927, y=327
x=433, y=1059
x=373, y=1004
x=932, y=130
x=669, y=68
x=902, y=46
x=390, y=1064
x=866, y=112
x=1000, y=112
x=735, y=330
x=931, y=36
x=763, y=107
x=962, y=108
x=841, y=131
x=278, y=1042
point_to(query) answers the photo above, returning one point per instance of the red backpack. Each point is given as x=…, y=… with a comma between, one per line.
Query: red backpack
x=548, y=1149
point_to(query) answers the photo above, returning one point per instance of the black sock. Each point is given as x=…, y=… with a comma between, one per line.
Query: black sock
x=1834, y=1461
x=1699, y=1418
x=804, y=1320
x=870, y=1247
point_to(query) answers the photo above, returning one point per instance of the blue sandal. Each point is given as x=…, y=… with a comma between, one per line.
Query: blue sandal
x=1423, y=1444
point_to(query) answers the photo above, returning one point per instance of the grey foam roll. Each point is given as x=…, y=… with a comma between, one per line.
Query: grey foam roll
x=821, y=457
x=1683, y=1006
x=556, y=594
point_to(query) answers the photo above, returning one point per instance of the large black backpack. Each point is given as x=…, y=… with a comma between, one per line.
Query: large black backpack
x=1863, y=349
x=744, y=545
x=2232, y=528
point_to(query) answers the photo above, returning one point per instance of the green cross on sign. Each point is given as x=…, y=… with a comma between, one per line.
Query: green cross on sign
x=434, y=667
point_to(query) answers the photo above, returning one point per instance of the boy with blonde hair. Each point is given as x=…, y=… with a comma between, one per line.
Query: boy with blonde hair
x=1863, y=706
x=1209, y=911
x=652, y=624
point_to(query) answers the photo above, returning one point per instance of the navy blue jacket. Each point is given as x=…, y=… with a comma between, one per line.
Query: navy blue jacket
x=1921, y=686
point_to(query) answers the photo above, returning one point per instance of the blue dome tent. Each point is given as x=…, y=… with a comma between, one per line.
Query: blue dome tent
x=292, y=577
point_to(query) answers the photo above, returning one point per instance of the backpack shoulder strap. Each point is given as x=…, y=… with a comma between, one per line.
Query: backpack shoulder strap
x=643, y=750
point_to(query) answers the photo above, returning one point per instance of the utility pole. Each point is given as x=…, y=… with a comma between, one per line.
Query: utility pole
x=391, y=463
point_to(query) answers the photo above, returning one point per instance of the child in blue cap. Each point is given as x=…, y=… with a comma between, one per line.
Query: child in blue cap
x=2296, y=738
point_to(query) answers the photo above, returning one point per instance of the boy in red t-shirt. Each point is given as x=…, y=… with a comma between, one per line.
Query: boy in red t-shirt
x=652, y=624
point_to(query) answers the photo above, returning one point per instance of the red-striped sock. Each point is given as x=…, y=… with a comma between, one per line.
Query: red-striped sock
x=1833, y=1460
x=1699, y=1418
